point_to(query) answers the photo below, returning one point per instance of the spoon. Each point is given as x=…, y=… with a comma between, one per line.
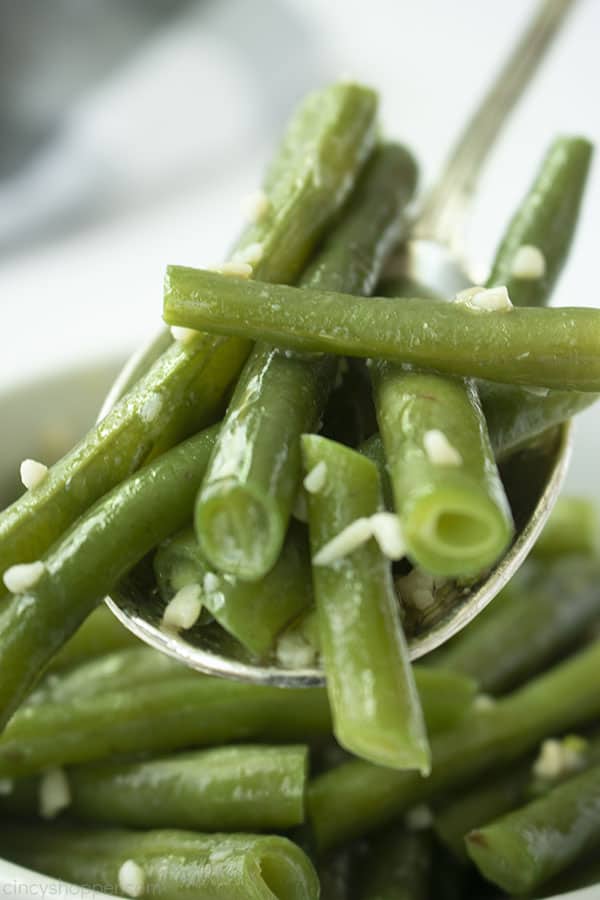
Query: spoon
x=434, y=256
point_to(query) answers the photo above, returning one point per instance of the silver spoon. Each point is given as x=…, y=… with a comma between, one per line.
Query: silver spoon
x=435, y=257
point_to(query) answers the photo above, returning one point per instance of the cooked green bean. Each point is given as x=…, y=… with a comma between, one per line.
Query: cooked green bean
x=374, y=701
x=100, y=633
x=166, y=865
x=253, y=477
x=554, y=348
x=327, y=141
x=188, y=711
x=571, y=529
x=90, y=559
x=545, y=221
x=357, y=796
x=523, y=849
x=115, y=671
x=447, y=491
x=244, y=788
x=554, y=605
x=335, y=874
x=398, y=866
x=254, y=613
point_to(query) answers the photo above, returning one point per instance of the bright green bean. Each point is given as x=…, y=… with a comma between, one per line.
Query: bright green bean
x=571, y=529
x=374, y=701
x=554, y=605
x=554, y=348
x=253, y=477
x=454, y=514
x=326, y=143
x=175, y=865
x=243, y=788
x=357, y=796
x=254, y=613
x=524, y=848
x=546, y=219
x=98, y=550
x=398, y=866
x=188, y=711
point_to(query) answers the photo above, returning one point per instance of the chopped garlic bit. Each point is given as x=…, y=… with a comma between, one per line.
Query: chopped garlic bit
x=481, y=299
x=483, y=702
x=182, y=335
x=6, y=786
x=210, y=583
x=252, y=254
x=300, y=510
x=528, y=263
x=560, y=757
x=23, y=576
x=151, y=408
x=32, y=473
x=294, y=651
x=349, y=539
x=132, y=879
x=255, y=206
x=184, y=609
x=419, y=818
x=387, y=531
x=417, y=589
x=316, y=479
x=234, y=269
x=439, y=450
x=54, y=793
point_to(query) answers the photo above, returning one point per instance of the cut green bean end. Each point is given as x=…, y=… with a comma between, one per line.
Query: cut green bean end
x=503, y=861
x=240, y=531
x=454, y=531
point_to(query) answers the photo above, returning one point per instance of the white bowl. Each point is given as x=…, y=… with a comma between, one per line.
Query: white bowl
x=42, y=418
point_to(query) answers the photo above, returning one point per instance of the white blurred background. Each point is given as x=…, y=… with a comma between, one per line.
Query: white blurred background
x=130, y=130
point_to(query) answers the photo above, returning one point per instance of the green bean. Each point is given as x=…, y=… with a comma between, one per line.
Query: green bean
x=523, y=849
x=335, y=874
x=505, y=791
x=374, y=701
x=253, y=613
x=112, y=671
x=515, y=415
x=554, y=605
x=314, y=170
x=245, y=788
x=546, y=220
x=100, y=633
x=90, y=559
x=455, y=516
x=571, y=529
x=187, y=711
x=554, y=348
x=166, y=865
x=357, y=796
x=253, y=477
x=398, y=866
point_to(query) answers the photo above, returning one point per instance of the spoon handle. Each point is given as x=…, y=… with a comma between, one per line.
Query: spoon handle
x=445, y=208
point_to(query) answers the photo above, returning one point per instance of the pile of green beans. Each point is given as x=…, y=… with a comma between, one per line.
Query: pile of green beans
x=361, y=444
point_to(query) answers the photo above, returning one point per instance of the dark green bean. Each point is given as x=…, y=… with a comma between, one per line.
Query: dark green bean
x=166, y=865
x=554, y=605
x=253, y=477
x=188, y=711
x=374, y=701
x=525, y=848
x=398, y=866
x=546, y=220
x=254, y=613
x=243, y=788
x=100, y=633
x=90, y=559
x=554, y=348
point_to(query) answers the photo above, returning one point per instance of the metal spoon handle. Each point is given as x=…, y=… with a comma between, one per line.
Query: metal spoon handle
x=445, y=208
